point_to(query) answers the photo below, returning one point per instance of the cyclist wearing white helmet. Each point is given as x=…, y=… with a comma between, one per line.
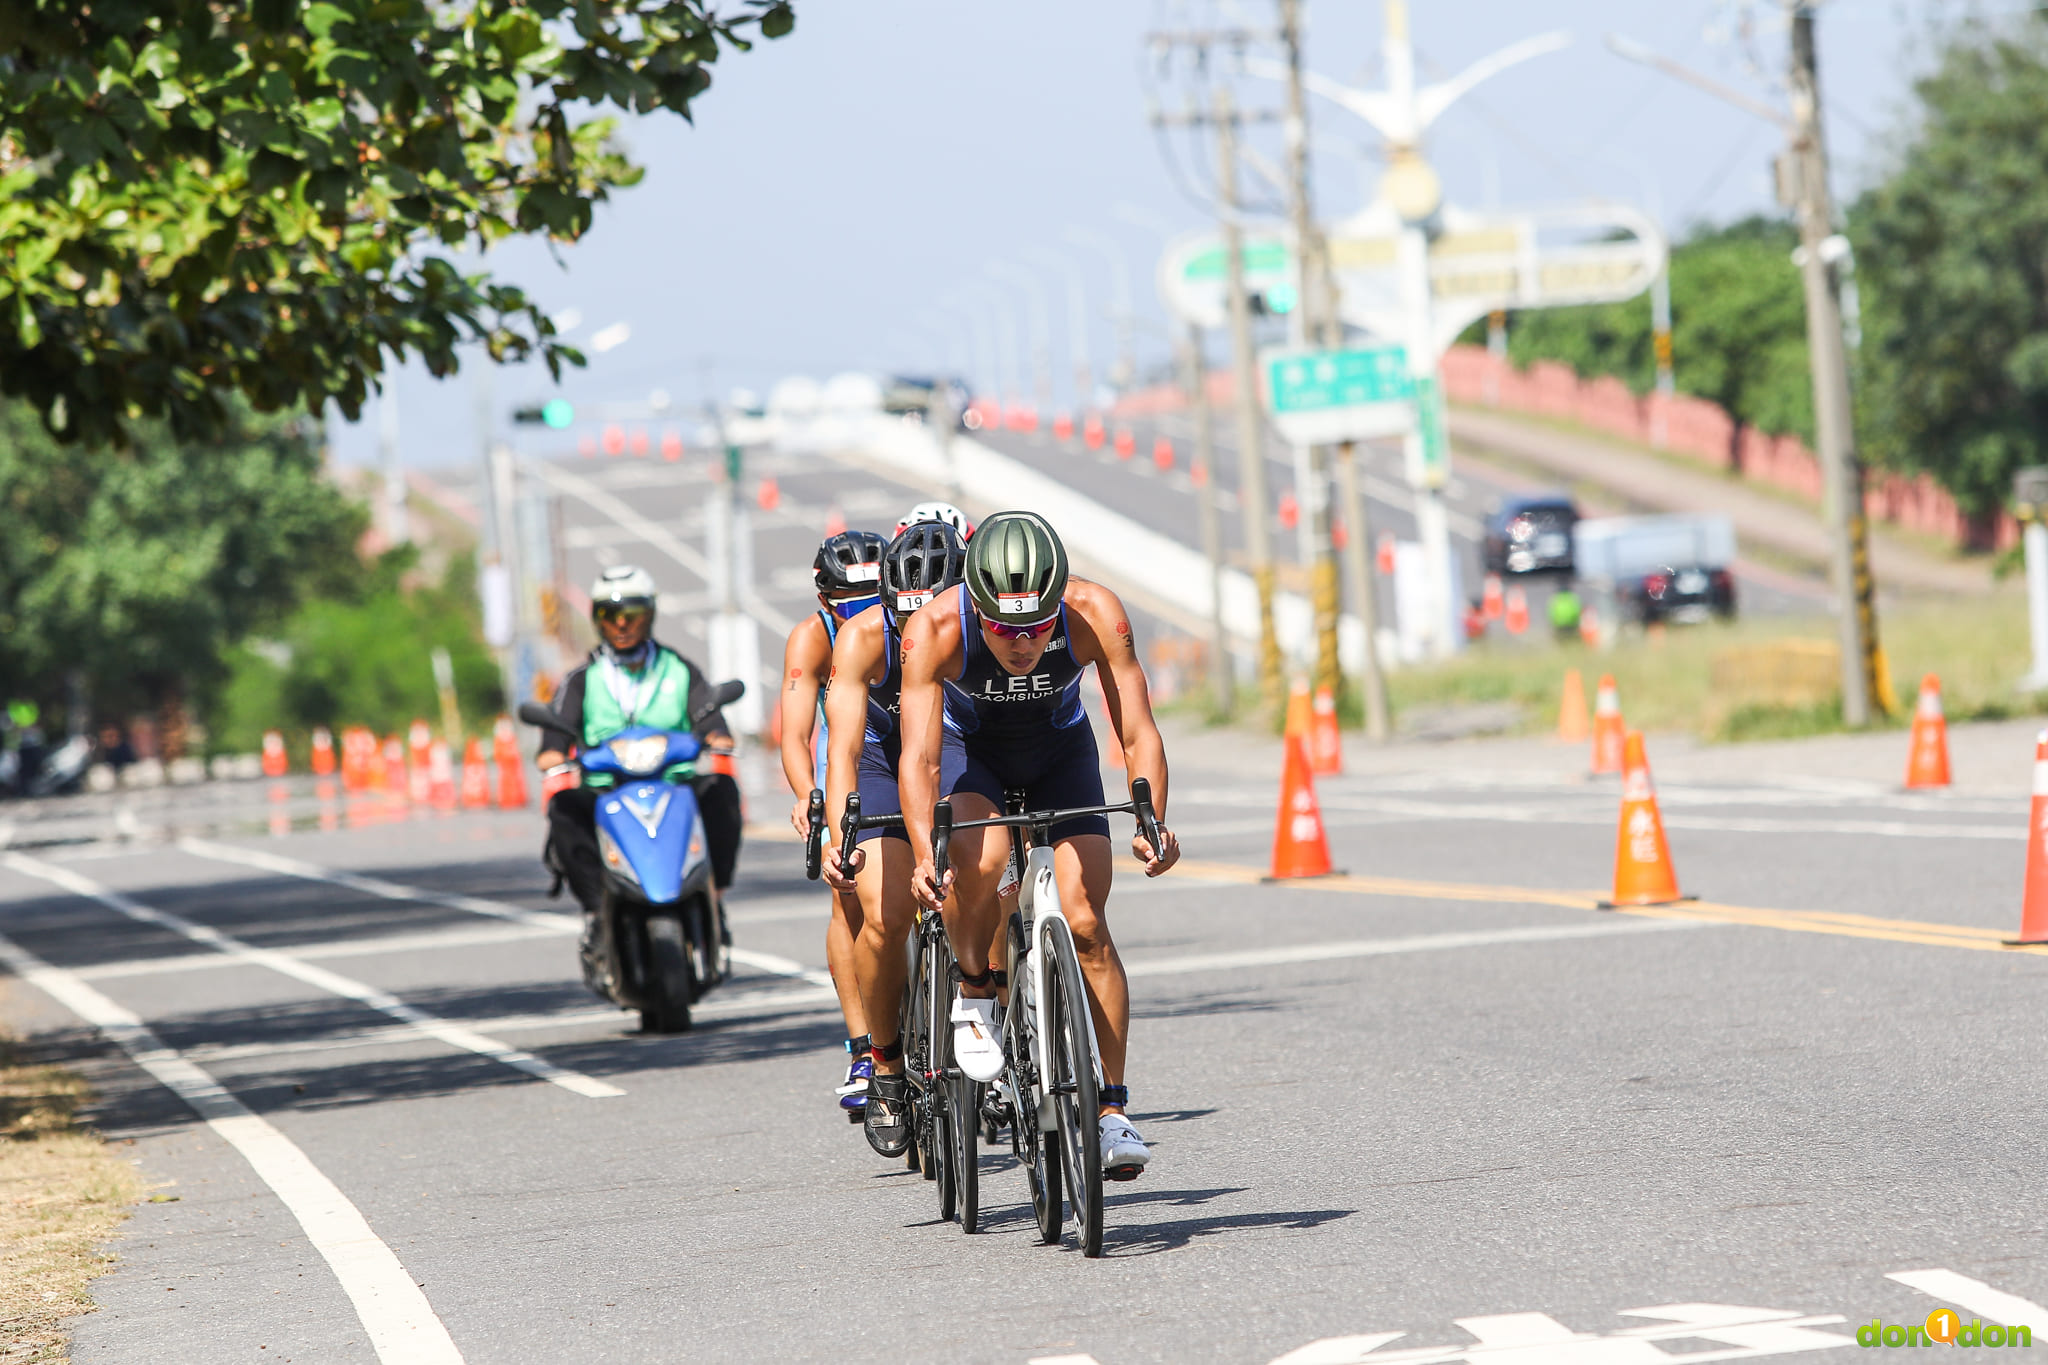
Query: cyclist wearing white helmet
x=629, y=679
x=848, y=575
x=937, y=511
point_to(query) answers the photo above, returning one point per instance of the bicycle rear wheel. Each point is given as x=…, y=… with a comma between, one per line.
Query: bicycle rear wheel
x=936, y=1101
x=917, y=1053
x=1075, y=1098
x=965, y=1121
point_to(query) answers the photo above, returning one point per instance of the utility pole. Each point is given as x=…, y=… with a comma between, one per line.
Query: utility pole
x=1251, y=455
x=1834, y=423
x=1313, y=308
x=1222, y=676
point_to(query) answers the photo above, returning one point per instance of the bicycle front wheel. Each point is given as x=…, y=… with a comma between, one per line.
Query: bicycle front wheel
x=966, y=1124
x=1075, y=1099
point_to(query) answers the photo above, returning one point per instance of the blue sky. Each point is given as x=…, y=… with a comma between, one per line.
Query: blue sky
x=842, y=181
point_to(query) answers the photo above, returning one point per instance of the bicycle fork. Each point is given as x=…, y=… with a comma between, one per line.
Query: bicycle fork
x=1041, y=889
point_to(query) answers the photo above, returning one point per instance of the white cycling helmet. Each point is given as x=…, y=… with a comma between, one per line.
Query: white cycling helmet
x=937, y=511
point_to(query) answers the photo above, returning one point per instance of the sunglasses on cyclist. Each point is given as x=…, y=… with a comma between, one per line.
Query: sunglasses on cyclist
x=614, y=614
x=1005, y=631
x=846, y=608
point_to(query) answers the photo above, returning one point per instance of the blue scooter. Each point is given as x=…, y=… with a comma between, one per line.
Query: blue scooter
x=662, y=938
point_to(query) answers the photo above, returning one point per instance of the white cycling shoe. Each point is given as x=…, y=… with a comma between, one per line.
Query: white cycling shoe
x=977, y=1038
x=1124, y=1153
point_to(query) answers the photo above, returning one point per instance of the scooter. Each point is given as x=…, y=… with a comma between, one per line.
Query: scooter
x=663, y=940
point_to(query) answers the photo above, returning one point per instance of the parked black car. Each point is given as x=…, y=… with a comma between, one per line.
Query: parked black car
x=1680, y=594
x=1530, y=535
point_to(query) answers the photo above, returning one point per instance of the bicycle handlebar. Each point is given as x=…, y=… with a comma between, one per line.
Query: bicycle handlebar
x=814, y=838
x=944, y=826
x=942, y=838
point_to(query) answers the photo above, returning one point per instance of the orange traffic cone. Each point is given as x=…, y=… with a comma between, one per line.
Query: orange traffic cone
x=511, y=776
x=1300, y=848
x=835, y=523
x=1643, y=874
x=1326, y=748
x=418, y=740
x=323, y=751
x=1491, y=602
x=1589, y=628
x=1607, y=727
x=440, y=776
x=476, y=779
x=1126, y=444
x=1927, y=760
x=1063, y=427
x=2034, y=901
x=1571, y=711
x=1091, y=432
x=1516, y=613
x=274, y=764
x=1300, y=714
x=395, y=787
x=1162, y=454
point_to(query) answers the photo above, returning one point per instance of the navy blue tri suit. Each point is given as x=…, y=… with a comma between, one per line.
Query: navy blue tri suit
x=1025, y=732
x=882, y=748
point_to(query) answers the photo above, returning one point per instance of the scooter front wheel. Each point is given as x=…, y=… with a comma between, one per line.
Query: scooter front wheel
x=672, y=981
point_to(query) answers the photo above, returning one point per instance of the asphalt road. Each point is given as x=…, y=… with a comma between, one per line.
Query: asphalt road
x=1433, y=1105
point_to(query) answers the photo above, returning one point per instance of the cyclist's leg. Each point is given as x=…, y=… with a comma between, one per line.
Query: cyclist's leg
x=973, y=913
x=886, y=909
x=842, y=932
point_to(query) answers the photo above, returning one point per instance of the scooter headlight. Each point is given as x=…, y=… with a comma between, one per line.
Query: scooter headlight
x=615, y=859
x=640, y=755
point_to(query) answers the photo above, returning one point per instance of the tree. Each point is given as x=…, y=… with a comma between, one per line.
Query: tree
x=138, y=569
x=201, y=199
x=1953, y=246
x=1738, y=325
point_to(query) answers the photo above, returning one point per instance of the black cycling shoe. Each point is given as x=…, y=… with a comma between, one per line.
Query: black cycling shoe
x=886, y=1120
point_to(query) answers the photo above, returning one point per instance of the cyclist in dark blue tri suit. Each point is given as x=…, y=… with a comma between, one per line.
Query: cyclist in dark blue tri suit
x=1000, y=659
x=861, y=708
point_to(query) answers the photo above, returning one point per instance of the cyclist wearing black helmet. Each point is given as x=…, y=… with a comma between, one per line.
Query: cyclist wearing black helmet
x=847, y=572
x=925, y=559
x=1000, y=659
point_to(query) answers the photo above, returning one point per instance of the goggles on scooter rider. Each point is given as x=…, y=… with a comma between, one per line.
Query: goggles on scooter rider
x=846, y=608
x=1004, y=630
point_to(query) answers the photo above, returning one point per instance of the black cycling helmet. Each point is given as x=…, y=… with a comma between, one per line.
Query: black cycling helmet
x=924, y=560
x=1016, y=569
x=850, y=564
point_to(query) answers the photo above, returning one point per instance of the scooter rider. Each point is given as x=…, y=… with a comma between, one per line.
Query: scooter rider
x=629, y=679
x=926, y=558
x=848, y=574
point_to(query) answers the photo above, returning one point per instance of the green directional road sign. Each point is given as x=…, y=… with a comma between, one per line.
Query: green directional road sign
x=1319, y=397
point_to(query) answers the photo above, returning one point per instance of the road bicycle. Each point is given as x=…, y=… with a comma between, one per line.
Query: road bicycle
x=1050, y=1088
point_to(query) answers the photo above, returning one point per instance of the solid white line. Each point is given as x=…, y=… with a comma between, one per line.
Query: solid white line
x=359, y=947
x=1901, y=829
x=377, y=886
x=1380, y=947
x=782, y=966
x=402, y=1325
x=1976, y=1296
x=433, y=1026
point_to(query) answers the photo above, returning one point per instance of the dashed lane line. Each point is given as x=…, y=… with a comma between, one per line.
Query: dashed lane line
x=419, y=1020
x=402, y=1325
x=435, y=941
x=1840, y=923
x=1380, y=947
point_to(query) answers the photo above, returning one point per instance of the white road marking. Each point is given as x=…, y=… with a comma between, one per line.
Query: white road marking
x=433, y=1026
x=782, y=966
x=402, y=1325
x=1579, y=815
x=1380, y=947
x=438, y=941
x=377, y=886
x=1975, y=1295
x=1539, y=1339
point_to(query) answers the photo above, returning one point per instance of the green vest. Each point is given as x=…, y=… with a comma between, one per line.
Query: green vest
x=662, y=691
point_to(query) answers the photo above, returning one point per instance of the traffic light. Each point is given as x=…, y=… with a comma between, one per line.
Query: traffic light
x=1277, y=301
x=556, y=413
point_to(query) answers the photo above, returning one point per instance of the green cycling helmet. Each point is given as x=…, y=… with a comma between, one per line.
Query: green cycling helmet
x=1016, y=569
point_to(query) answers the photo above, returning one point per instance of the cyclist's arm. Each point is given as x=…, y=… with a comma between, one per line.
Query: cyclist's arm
x=857, y=664
x=805, y=658
x=554, y=744
x=931, y=654
x=1104, y=640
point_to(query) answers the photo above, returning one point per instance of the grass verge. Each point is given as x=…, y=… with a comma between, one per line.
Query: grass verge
x=62, y=1194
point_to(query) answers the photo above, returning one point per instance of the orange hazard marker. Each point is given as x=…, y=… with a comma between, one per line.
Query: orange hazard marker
x=476, y=777
x=440, y=776
x=1571, y=710
x=1927, y=759
x=1063, y=427
x=1126, y=444
x=2034, y=900
x=1643, y=874
x=395, y=787
x=1300, y=714
x=274, y=762
x=1491, y=601
x=1091, y=432
x=1515, y=615
x=1162, y=454
x=1326, y=747
x=835, y=523
x=511, y=777
x=1300, y=848
x=1608, y=731
x=419, y=740
x=323, y=751
x=769, y=495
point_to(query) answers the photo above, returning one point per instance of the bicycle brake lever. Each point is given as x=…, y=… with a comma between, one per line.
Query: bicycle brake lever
x=1141, y=805
x=814, y=838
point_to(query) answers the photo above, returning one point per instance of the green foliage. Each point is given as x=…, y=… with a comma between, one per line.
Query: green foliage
x=1738, y=328
x=362, y=660
x=141, y=567
x=203, y=198
x=1954, y=249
